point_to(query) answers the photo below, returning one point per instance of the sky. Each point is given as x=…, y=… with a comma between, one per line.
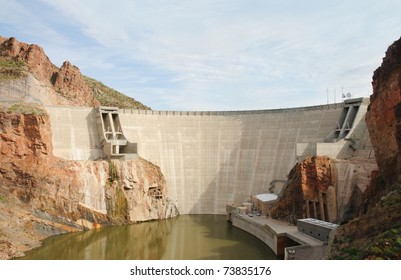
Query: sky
x=214, y=54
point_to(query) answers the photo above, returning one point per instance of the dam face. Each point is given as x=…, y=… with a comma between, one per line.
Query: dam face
x=209, y=159
x=213, y=160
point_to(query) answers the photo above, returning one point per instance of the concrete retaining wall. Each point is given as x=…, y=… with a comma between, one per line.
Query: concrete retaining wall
x=276, y=241
x=209, y=159
x=263, y=233
x=75, y=133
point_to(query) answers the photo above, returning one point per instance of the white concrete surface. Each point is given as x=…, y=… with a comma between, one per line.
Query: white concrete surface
x=269, y=230
x=266, y=197
x=75, y=134
x=209, y=159
x=212, y=159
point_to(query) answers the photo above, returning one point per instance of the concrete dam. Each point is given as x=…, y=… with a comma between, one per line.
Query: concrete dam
x=211, y=159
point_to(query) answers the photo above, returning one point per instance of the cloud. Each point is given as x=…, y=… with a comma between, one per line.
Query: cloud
x=219, y=54
x=16, y=17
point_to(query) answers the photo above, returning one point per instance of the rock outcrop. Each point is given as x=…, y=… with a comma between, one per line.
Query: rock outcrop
x=324, y=188
x=28, y=75
x=67, y=82
x=33, y=55
x=376, y=233
x=44, y=195
x=383, y=118
x=304, y=190
x=373, y=235
x=71, y=84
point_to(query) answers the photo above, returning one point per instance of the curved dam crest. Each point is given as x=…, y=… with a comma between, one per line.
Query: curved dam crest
x=209, y=159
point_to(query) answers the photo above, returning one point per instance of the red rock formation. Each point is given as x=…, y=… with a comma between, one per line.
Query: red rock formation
x=27, y=165
x=70, y=82
x=24, y=136
x=377, y=231
x=327, y=189
x=383, y=118
x=307, y=181
x=67, y=81
x=33, y=55
x=316, y=176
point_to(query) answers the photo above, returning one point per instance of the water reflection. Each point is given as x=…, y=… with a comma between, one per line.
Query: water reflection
x=188, y=237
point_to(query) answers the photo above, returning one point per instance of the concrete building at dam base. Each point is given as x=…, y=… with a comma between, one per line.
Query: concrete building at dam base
x=213, y=159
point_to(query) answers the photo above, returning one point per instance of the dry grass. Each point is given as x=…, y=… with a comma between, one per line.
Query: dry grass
x=10, y=69
x=110, y=97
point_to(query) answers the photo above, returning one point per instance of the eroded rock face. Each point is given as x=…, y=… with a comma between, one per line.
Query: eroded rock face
x=326, y=189
x=374, y=234
x=33, y=55
x=37, y=188
x=142, y=187
x=24, y=136
x=303, y=192
x=70, y=82
x=383, y=118
x=67, y=82
x=316, y=176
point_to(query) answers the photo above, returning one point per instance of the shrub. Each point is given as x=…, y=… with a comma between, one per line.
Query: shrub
x=26, y=109
x=10, y=69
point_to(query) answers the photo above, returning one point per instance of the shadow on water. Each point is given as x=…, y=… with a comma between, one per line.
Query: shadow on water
x=145, y=241
x=188, y=237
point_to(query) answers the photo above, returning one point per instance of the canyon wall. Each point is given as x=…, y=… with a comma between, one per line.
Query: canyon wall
x=384, y=116
x=53, y=178
x=376, y=233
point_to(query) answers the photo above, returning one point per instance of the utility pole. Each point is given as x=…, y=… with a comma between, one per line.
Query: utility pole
x=334, y=95
x=327, y=93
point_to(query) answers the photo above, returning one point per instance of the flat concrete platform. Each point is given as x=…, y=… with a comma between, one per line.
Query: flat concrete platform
x=281, y=227
x=313, y=249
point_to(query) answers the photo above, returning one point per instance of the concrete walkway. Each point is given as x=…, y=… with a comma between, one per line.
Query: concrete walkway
x=315, y=249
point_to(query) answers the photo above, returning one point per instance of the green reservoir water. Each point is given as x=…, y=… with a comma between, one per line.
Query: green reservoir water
x=187, y=237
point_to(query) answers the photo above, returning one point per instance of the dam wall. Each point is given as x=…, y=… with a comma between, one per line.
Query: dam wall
x=75, y=133
x=209, y=159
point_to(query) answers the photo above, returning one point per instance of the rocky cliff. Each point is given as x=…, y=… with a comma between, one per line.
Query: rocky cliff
x=384, y=114
x=41, y=195
x=32, y=55
x=376, y=233
x=326, y=189
x=28, y=75
x=303, y=193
